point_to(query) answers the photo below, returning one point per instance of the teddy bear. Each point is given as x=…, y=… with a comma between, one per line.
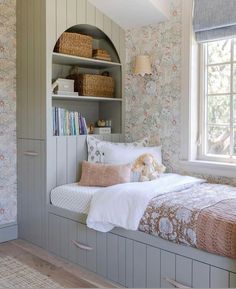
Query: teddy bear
x=148, y=168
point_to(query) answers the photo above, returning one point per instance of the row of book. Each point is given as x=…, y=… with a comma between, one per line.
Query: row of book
x=66, y=123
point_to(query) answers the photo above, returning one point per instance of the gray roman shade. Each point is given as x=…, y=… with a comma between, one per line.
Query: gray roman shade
x=214, y=19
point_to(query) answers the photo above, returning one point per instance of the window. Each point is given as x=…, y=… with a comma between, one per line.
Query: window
x=218, y=101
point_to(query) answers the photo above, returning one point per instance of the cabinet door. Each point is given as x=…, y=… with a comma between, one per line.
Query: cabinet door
x=31, y=192
x=31, y=67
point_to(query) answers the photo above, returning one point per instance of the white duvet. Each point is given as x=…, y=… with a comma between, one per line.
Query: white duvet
x=124, y=205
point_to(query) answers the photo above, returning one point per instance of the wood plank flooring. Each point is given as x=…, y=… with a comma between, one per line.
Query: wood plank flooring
x=65, y=274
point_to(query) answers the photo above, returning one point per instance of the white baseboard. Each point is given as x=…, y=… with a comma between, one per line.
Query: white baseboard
x=8, y=232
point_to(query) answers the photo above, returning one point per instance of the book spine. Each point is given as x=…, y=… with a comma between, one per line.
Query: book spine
x=53, y=121
x=76, y=123
x=67, y=123
x=80, y=125
x=85, y=126
x=73, y=119
x=57, y=122
x=71, y=123
x=62, y=121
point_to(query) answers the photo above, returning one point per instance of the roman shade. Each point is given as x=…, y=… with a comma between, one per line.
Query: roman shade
x=214, y=19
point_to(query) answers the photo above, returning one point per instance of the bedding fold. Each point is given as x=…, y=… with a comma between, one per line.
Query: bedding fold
x=124, y=205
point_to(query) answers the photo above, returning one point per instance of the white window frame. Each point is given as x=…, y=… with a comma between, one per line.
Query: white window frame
x=203, y=155
x=190, y=116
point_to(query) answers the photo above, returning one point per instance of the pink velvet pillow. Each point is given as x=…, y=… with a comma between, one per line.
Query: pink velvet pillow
x=101, y=175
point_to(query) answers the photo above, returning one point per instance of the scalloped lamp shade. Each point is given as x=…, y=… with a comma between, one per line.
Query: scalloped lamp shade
x=142, y=65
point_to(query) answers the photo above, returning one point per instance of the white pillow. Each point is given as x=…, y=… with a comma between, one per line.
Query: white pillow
x=123, y=155
x=93, y=145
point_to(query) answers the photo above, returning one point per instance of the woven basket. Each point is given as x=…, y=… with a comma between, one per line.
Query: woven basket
x=94, y=85
x=101, y=54
x=75, y=44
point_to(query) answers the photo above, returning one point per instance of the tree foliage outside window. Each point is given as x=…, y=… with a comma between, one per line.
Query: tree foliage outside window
x=220, y=98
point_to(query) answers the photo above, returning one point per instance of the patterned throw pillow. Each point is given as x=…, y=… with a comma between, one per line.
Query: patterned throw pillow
x=94, y=145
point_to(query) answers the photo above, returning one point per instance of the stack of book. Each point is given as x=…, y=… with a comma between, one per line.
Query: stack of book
x=66, y=123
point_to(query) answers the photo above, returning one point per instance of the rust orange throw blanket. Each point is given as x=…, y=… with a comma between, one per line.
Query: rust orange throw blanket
x=216, y=229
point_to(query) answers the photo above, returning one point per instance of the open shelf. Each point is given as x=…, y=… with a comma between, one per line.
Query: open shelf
x=65, y=59
x=101, y=136
x=85, y=98
x=91, y=108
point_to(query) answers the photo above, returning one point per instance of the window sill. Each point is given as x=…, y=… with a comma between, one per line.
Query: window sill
x=210, y=168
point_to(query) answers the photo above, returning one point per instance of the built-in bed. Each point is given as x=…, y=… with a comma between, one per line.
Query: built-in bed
x=131, y=258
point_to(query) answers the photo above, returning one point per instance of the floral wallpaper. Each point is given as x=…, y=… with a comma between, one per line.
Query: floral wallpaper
x=7, y=111
x=153, y=102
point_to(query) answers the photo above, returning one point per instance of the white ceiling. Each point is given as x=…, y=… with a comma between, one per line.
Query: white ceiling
x=134, y=13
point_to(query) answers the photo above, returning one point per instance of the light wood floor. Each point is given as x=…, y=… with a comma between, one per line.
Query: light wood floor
x=60, y=271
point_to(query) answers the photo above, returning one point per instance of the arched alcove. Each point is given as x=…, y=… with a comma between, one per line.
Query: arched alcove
x=92, y=108
x=100, y=39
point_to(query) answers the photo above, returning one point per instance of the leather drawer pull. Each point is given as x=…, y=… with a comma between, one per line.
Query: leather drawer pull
x=82, y=246
x=176, y=284
x=31, y=154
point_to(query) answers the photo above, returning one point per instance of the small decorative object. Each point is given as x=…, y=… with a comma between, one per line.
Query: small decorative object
x=148, y=168
x=101, y=123
x=91, y=128
x=101, y=54
x=108, y=123
x=102, y=130
x=64, y=87
x=142, y=65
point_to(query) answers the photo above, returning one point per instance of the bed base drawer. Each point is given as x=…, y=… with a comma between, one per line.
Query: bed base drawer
x=131, y=263
x=72, y=241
